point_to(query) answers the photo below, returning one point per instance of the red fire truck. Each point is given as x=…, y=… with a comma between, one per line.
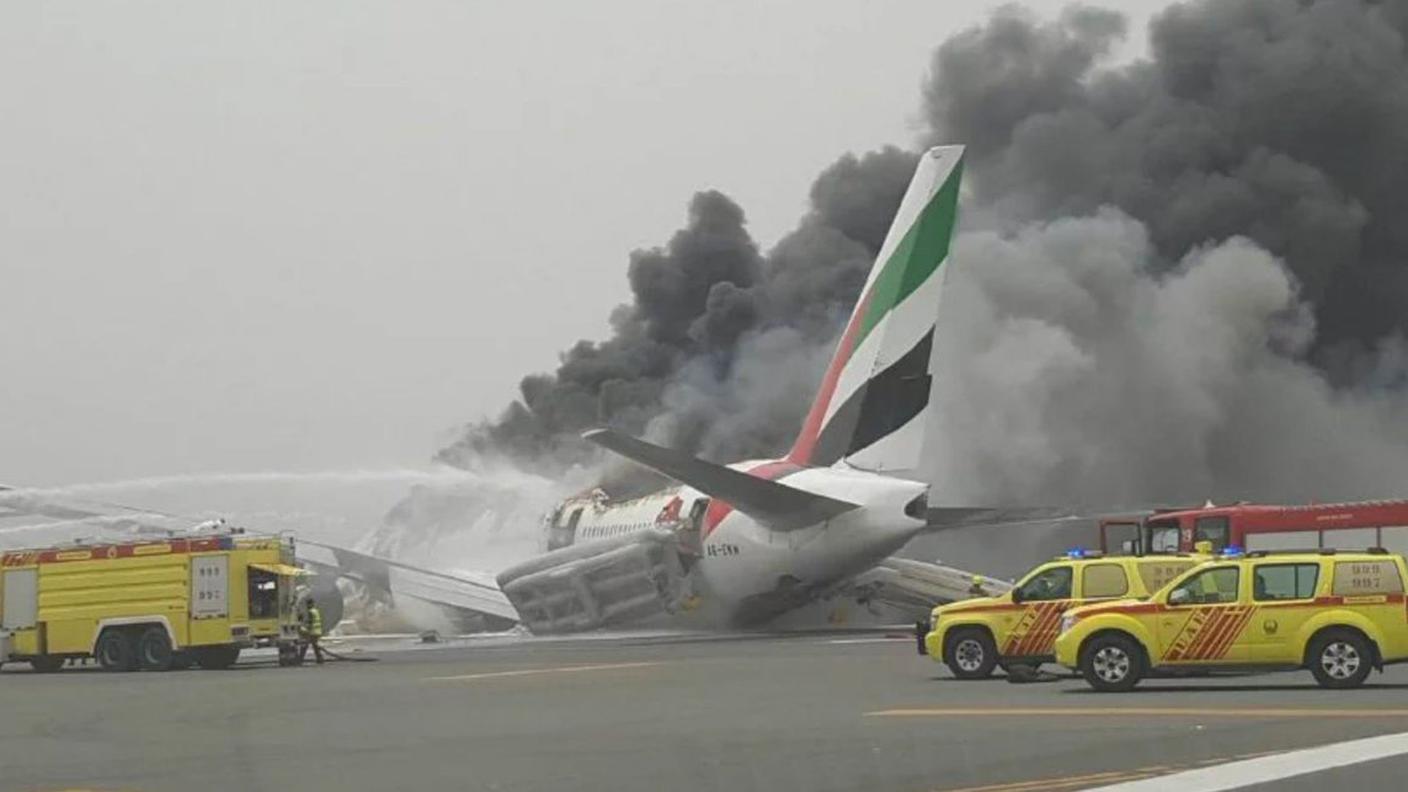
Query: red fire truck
x=1347, y=526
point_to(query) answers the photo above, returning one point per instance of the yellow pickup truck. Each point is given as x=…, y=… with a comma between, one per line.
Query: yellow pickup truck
x=1337, y=614
x=1018, y=628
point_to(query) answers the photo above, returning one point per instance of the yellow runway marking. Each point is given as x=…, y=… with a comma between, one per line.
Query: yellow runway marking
x=534, y=671
x=1170, y=712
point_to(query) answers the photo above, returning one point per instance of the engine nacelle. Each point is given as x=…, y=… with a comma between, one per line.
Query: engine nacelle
x=583, y=587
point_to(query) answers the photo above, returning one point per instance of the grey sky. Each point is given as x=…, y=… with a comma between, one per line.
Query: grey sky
x=296, y=236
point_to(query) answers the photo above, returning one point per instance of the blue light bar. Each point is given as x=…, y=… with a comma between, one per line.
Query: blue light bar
x=1233, y=551
x=1076, y=552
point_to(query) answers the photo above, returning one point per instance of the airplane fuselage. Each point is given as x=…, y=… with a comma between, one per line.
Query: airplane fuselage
x=743, y=570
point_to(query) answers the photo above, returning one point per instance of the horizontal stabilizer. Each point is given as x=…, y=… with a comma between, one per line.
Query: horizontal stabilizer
x=941, y=518
x=776, y=505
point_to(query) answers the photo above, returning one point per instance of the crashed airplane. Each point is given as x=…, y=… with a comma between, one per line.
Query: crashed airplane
x=747, y=542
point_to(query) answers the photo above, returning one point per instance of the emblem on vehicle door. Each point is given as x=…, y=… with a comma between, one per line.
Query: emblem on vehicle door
x=1270, y=626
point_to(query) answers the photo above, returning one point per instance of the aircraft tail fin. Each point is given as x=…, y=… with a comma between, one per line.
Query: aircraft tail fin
x=871, y=406
x=772, y=503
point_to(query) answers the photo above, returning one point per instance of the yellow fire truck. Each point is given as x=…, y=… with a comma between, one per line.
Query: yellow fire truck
x=150, y=605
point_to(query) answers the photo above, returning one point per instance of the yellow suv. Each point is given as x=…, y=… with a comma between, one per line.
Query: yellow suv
x=1018, y=628
x=1338, y=614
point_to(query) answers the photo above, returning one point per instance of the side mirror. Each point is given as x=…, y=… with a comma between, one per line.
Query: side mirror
x=1016, y=596
x=1179, y=597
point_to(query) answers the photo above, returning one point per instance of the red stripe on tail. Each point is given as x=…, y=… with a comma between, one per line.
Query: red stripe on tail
x=802, y=448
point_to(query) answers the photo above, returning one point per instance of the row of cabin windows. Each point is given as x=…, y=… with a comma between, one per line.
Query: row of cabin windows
x=696, y=515
x=598, y=531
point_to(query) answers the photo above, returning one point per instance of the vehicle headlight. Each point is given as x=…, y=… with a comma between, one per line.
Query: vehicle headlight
x=1068, y=621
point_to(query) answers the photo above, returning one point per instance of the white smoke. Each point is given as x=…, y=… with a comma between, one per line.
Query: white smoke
x=1074, y=372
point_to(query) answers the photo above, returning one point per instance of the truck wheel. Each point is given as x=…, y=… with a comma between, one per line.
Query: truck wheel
x=47, y=664
x=154, y=651
x=215, y=658
x=115, y=651
x=970, y=654
x=1111, y=663
x=1340, y=659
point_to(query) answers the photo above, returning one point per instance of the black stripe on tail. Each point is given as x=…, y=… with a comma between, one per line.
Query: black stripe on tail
x=886, y=402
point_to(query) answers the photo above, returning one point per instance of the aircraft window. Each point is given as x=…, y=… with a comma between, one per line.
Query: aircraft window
x=1214, y=586
x=1049, y=584
x=1284, y=581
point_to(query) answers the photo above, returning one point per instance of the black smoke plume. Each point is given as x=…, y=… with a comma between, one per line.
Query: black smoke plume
x=717, y=353
x=1180, y=277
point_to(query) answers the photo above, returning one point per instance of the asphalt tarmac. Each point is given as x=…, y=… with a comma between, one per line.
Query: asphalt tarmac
x=818, y=712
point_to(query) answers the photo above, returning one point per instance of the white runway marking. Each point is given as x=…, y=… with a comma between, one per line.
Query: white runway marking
x=1235, y=775
x=534, y=671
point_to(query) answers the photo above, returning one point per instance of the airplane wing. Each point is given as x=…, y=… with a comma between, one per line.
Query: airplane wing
x=458, y=591
x=944, y=517
x=777, y=505
x=918, y=585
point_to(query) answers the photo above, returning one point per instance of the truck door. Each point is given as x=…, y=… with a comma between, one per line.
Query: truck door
x=1042, y=597
x=1204, y=620
x=210, y=587
x=20, y=600
x=1285, y=598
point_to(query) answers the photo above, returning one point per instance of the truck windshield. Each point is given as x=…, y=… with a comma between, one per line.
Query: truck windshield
x=1163, y=536
x=1211, y=529
x=263, y=594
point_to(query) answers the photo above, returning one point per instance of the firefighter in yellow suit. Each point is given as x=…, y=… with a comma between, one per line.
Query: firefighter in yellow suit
x=312, y=631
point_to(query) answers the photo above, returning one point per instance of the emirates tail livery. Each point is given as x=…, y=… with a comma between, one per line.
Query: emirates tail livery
x=743, y=543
